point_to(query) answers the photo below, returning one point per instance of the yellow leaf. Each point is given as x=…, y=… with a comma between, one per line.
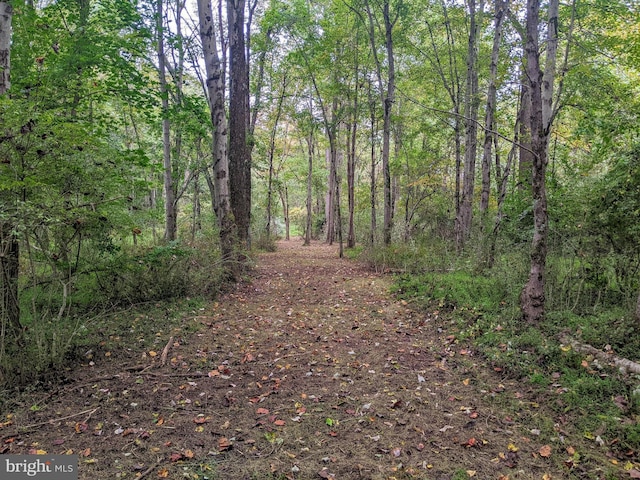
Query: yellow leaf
x=188, y=454
x=546, y=476
x=471, y=473
x=565, y=348
x=512, y=448
x=466, y=381
x=152, y=353
x=628, y=466
x=163, y=473
x=614, y=461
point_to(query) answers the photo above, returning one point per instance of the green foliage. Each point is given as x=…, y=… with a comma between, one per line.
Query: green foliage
x=265, y=243
x=454, y=289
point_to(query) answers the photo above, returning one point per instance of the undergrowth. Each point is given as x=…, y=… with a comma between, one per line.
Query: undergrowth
x=603, y=404
x=105, y=303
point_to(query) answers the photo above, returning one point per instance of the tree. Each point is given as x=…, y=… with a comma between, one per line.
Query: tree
x=239, y=151
x=532, y=297
x=490, y=136
x=9, y=243
x=471, y=101
x=215, y=90
x=387, y=98
x=170, y=213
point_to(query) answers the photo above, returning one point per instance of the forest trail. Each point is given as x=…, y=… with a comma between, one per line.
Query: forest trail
x=309, y=370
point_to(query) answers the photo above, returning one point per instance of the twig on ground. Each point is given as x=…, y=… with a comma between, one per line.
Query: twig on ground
x=59, y=419
x=165, y=351
x=150, y=469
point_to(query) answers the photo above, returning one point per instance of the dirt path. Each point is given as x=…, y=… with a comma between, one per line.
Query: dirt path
x=311, y=370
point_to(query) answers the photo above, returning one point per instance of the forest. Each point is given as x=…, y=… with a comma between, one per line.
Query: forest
x=484, y=153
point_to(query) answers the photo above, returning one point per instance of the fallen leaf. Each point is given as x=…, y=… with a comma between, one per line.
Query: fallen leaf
x=247, y=358
x=279, y=423
x=58, y=441
x=188, y=454
x=545, y=451
x=262, y=411
x=397, y=452
x=200, y=419
x=224, y=444
x=37, y=451
x=163, y=473
x=512, y=448
x=466, y=381
x=324, y=473
x=571, y=450
x=470, y=443
x=174, y=457
x=85, y=453
x=634, y=473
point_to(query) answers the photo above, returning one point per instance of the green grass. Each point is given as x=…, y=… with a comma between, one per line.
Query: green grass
x=484, y=311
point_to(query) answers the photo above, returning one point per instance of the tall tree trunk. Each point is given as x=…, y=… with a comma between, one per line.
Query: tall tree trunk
x=372, y=188
x=387, y=96
x=471, y=130
x=532, y=297
x=284, y=199
x=386, y=120
x=9, y=245
x=329, y=207
x=215, y=92
x=525, y=157
x=196, y=224
x=239, y=152
x=338, y=205
x=170, y=221
x=490, y=137
x=309, y=222
x=271, y=154
x=351, y=177
x=352, y=131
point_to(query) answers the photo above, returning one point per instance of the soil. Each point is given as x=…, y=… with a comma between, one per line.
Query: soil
x=308, y=370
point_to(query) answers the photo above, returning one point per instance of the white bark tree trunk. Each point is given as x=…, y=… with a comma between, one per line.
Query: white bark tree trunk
x=215, y=92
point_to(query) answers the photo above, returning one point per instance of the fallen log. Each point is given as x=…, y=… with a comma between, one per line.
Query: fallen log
x=624, y=365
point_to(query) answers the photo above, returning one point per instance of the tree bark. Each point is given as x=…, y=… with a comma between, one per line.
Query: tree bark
x=215, y=92
x=239, y=152
x=170, y=221
x=387, y=96
x=309, y=221
x=284, y=198
x=532, y=298
x=471, y=130
x=372, y=188
x=351, y=159
x=9, y=243
x=271, y=154
x=490, y=138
